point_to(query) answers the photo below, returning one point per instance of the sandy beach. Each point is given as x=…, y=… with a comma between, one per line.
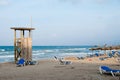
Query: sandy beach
x=60, y=39
x=87, y=69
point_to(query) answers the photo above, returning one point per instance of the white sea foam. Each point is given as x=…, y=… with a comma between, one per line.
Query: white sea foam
x=6, y=52
x=74, y=49
x=49, y=51
x=43, y=51
x=72, y=54
x=7, y=56
x=3, y=53
x=38, y=53
x=77, y=49
x=2, y=50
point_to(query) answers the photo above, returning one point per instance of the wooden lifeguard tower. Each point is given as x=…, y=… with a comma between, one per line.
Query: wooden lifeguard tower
x=22, y=44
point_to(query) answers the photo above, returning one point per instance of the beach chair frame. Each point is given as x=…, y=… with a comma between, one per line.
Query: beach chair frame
x=106, y=69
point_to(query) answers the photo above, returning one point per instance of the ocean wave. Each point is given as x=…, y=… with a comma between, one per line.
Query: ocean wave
x=72, y=54
x=60, y=50
x=74, y=49
x=77, y=49
x=6, y=52
x=7, y=56
x=49, y=51
x=45, y=51
x=38, y=53
x=81, y=54
x=2, y=50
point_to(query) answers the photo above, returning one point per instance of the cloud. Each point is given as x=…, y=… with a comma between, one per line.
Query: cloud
x=54, y=35
x=85, y=1
x=4, y=2
x=101, y=1
x=74, y=2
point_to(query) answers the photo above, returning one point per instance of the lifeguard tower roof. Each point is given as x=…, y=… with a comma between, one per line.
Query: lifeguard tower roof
x=22, y=28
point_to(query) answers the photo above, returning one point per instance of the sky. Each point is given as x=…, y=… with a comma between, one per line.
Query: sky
x=62, y=22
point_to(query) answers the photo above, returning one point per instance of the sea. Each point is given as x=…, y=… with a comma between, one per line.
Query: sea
x=46, y=52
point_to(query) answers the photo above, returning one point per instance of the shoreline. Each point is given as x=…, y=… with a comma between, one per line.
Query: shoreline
x=75, y=59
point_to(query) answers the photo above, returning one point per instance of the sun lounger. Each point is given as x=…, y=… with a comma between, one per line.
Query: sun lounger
x=62, y=62
x=21, y=62
x=80, y=58
x=96, y=54
x=103, y=58
x=106, y=69
x=32, y=62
